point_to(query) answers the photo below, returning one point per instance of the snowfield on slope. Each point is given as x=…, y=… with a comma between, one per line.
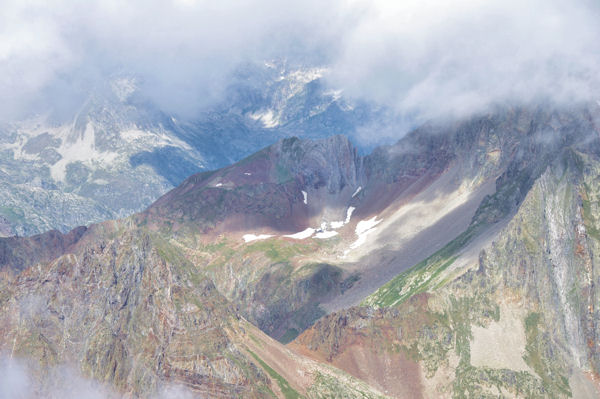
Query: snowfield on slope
x=302, y=234
x=326, y=234
x=413, y=232
x=363, y=229
x=321, y=232
x=254, y=237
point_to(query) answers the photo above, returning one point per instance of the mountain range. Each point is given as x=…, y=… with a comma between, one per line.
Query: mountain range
x=458, y=262
x=118, y=152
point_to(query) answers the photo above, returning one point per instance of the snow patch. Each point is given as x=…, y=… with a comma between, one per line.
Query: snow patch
x=219, y=185
x=305, y=195
x=302, y=234
x=326, y=234
x=253, y=237
x=357, y=191
x=340, y=224
x=349, y=214
x=336, y=225
x=174, y=141
x=268, y=118
x=83, y=150
x=365, y=225
x=134, y=134
x=363, y=229
x=152, y=139
x=323, y=233
x=248, y=173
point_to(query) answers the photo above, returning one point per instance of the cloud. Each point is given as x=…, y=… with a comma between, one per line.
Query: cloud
x=20, y=379
x=23, y=379
x=14, y=379
x=436, y=57
x=183, y=51
x=420, y=58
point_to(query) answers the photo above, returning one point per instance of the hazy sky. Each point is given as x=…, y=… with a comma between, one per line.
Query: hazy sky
x=423, y=57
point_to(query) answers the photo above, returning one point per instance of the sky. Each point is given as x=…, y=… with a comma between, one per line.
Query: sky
x=424, y=58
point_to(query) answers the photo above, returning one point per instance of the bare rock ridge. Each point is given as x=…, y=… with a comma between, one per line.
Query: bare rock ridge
x=459, y=262
x=20, y=252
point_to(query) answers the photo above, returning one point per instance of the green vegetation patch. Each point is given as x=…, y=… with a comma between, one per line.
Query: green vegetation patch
x=329, y=387
x=534, y=357
x=173, y=255
x=289, y=336
x=285, y=387
x=169, y=252
x=419, y=278
x=588, y=215
x=484, y=382
x=278, y=251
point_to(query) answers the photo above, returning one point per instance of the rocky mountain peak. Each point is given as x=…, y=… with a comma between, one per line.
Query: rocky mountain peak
x=332, y=162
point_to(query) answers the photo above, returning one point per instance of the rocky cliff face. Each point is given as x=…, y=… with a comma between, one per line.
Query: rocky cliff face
x=127, y=316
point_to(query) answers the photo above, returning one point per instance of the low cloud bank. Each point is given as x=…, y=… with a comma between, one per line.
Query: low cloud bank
x=418, y=58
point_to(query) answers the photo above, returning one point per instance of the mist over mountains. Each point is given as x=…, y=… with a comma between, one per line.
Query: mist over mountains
x=166, y=89
x=262, y=199
x=119, y=151
x=422, y=58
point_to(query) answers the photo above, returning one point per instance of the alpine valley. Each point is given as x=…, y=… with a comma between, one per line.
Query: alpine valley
x=462, y=261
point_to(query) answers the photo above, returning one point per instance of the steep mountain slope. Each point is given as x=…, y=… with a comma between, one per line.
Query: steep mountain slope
x=514, y=315
x=304, y=228
x=131, y=312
